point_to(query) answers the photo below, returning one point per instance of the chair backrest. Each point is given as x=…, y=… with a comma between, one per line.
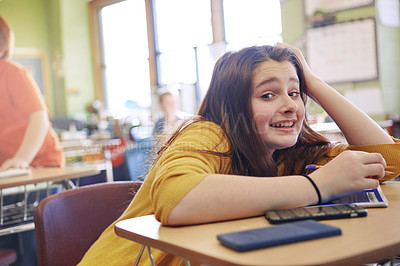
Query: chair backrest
x=137, y=160
x=7, y=256
x=69, y=222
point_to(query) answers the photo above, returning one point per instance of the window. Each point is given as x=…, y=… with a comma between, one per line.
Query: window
x=125, y=56
x=252, y=22
x=184, y=50
x=181, y=26
x=246, y=22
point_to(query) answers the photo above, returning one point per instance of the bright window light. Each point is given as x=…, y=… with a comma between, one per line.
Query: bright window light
x=126, y=67
x=252, y=22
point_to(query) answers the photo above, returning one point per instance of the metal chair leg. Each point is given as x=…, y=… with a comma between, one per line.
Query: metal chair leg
x=140, y=255
x=151, y=256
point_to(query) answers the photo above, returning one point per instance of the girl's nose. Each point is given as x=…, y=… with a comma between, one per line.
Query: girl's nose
x=288, y=105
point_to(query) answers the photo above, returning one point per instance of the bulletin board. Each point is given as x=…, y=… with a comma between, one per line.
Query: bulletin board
x=310, y=6
x=343, y=52
x=35, y=63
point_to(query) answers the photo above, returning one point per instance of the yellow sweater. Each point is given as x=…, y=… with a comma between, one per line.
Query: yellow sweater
x=179, y=169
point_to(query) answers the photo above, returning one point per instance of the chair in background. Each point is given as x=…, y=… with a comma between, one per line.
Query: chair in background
x=64, y=123
x=137, y=159
x=69, y=222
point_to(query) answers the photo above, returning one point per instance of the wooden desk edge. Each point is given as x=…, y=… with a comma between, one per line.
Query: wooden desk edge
x=170, y=248
x=375, y=256
x=66, y=176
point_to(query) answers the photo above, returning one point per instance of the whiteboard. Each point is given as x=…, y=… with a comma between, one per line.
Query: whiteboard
x=343, y=52
x=367, y=99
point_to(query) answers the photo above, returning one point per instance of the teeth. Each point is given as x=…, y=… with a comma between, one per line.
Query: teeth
x=285, y=124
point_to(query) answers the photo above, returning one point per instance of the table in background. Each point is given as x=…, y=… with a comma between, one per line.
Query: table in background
x=332, y=132
x=369, y=239
x=89, y=152
x=22, y=212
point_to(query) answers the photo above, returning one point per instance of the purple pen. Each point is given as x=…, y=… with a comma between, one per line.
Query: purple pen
x=312, y=167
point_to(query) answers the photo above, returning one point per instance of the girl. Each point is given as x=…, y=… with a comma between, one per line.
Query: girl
x=245, y=152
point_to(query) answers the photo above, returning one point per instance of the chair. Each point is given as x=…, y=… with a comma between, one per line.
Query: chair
x=7, y=256
x=137, y=159
x=136, y=162
x=64, y=123
x=69, y=222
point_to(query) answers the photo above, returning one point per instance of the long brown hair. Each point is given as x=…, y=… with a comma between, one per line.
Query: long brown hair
x=6, y=38
x=228, y=104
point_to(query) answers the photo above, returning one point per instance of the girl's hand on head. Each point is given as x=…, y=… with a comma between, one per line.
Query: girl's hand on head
x=349, y=172
x=14, y=163
x=297, y=52
x=308, y=74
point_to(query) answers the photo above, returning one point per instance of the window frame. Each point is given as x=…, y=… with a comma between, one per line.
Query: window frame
x=218, y=37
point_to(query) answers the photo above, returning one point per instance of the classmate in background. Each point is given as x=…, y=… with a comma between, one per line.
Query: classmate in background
x=26, y=137
x=171, y=115
x=246, y=152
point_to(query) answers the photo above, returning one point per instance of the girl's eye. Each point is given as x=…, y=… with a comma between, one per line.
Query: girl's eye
x=294, y=94
x=267, y=96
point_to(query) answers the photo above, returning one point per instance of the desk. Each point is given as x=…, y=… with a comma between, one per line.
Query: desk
x=332, y=132
x=88, y=152
x=38, y=175
x=46, y=174
x=373, y=238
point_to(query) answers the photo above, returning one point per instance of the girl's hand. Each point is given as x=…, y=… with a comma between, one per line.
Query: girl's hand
x=349, y=172
x=297, y=52
x=14, y=163
x=308, y=74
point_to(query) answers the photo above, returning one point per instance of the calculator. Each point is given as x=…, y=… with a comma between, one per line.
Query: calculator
x=320, y=212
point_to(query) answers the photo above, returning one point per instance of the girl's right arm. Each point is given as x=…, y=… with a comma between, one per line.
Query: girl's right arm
x=357, y=127
x=222, y=197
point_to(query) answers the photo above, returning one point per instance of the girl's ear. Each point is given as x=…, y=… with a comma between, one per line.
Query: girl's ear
x=2, y=52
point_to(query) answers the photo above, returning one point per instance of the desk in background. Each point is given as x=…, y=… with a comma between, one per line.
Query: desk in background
x=89, y=152
x=332, y=132
x=39, y=179
x=370, y=239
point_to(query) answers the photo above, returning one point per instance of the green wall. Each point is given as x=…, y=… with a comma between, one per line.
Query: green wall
x=28, y=20
x=388, y=46
x=389, y=66
x=293, y=25
x=60, y=30
x=79, y=82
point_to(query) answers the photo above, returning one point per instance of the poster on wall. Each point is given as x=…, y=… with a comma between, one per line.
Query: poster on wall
x=343, y=52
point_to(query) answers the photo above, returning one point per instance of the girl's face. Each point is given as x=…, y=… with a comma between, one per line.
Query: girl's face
x=276, y=103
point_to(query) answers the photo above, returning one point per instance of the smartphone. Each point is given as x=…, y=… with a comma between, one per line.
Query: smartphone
x=320, y=212
x=277, y=235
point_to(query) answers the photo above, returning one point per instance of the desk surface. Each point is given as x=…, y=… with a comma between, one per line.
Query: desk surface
x=44, y=174
x=364, y=240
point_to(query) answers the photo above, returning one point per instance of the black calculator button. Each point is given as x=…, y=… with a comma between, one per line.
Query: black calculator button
x=301, y=212
x=273, y=215
x=286, y=214
x=315, y=211
x=343, y=208
x=330, y=210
